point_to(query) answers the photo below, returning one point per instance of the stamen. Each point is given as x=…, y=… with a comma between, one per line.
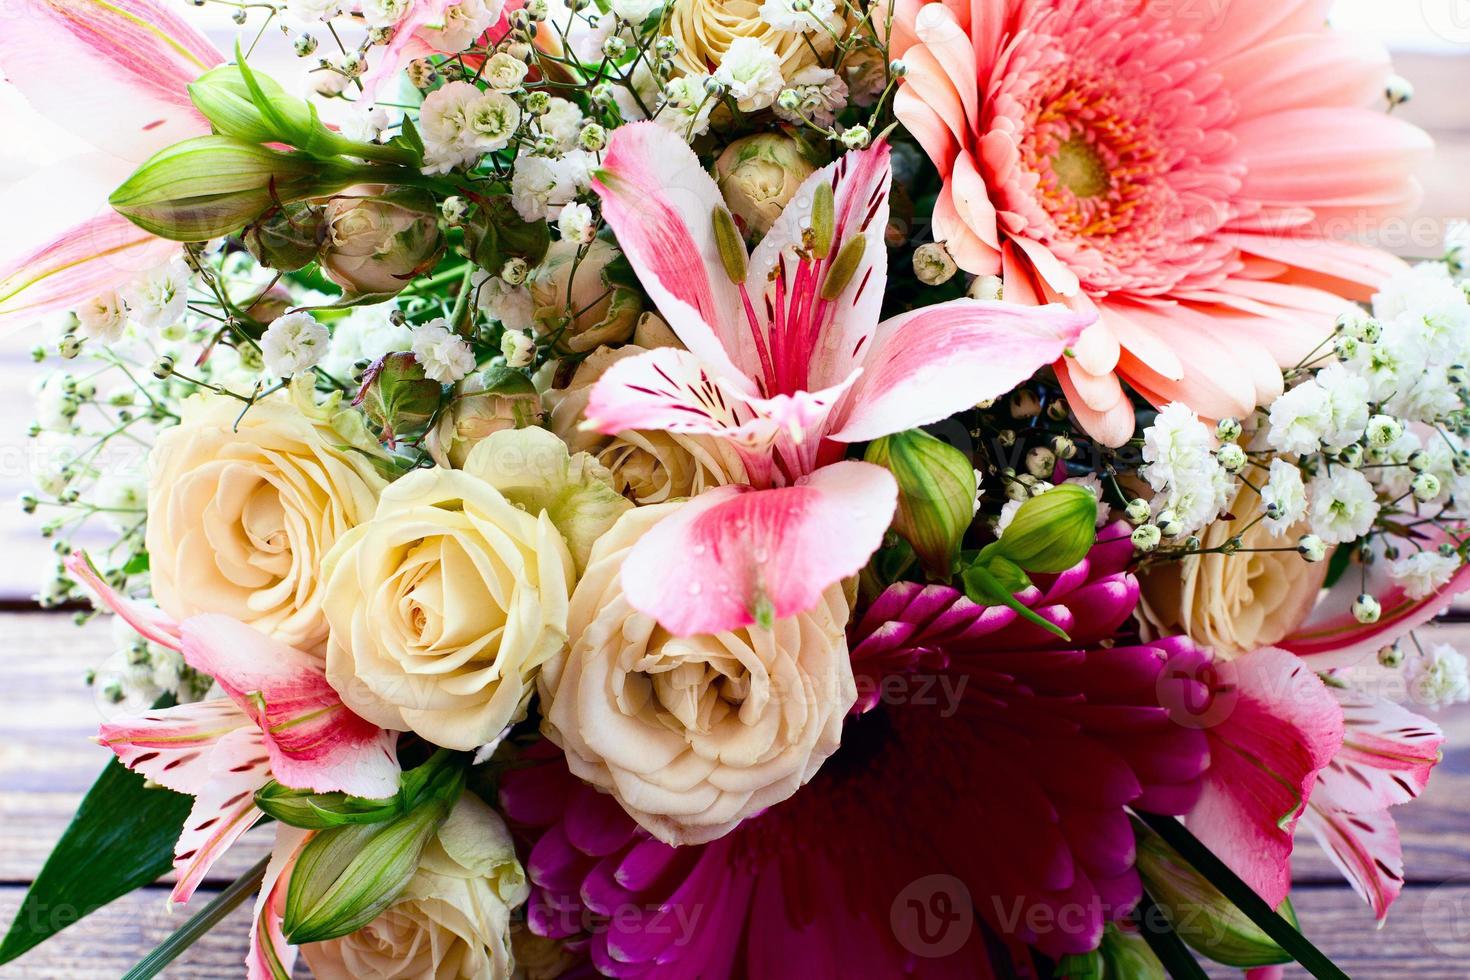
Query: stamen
x=844, y=267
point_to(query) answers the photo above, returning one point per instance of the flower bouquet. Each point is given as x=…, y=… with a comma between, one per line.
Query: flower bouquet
x=713, y=489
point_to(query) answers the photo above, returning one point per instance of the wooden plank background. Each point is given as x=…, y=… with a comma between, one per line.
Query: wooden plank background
x=46, y=713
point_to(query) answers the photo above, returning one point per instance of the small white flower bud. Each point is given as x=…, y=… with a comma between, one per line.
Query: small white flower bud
x=1384, y=430
x=305, y=45
x=933, y=264
x=1426, y=487
x=1041, y=462
x=518, y=349
x=1137, y=510
x=897, y=68
x=856, y=137
x=455, y=210
x=515, y=271
x=614, y=47
x=1391, y=656
x=163, y=368
x=1311, y=547
x=1228, y=430
x=69, y=347
x=789, y=99
x=1457, y=376
x=1398, y=90
x=665, y=47
x=1346, y=348
x=1351, y=456
x=1025, y=404
x=1063, y=446
x=1231, y=457
x=592, y=137
x=1366, y=609
x=988, y=288
x=1146, y=537
x=1169, y=524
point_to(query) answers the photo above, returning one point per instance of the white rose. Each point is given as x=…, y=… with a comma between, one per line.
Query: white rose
x=452, y=920
x=242, y=507
x=693, y=734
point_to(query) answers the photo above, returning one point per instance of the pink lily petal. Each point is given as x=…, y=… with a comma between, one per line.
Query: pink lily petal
x=223, y=810
x=1365, y=847
x=1281, y=728
x=732, y=552
x=930, y=363
x=314, y=741
x=1332, y=637
x=173, y=746
x=659, y=201
x=1386, y=756
x=270, y=956
x=116, y=73
x=150, y=623
x=103, y=253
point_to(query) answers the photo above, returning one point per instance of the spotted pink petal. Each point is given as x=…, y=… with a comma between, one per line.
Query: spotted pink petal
x=270, y=956
x=1386, y=757
x=1332, y=637
x=315, y=742
x=224, y=808
x=1365, y=847
x=173, y=746
x=1279, y=727
x=114, y=72
x=671, y=389
x=732, y=552
x=103, y=253
x=659, y=202
x=932, y=362
x=150, y=623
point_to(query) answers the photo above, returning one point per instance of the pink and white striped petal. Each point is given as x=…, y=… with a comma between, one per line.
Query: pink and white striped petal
x=173, y=746
x=932, y=362
x=1279, y=728
x=315, y=742
x=150, y=623
x=114, y=72
x=1365, y=847
x=270, y=956
x=223, y=810
x=1386, y=757
x=660, y=203
x=733, y=556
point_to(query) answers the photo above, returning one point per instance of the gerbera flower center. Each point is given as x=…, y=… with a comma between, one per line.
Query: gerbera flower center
x=1080, y=168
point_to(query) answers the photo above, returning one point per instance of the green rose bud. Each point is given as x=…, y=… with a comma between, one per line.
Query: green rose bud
x=1205, y=919
x=398, y=396
x=1051, y=532
x=378, y=241
x=211, y=186
x=287, y=238
x=499, y=399
x=347, y=875
x=936, y=495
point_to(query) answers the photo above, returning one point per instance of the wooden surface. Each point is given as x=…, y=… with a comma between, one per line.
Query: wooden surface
x=46, y=714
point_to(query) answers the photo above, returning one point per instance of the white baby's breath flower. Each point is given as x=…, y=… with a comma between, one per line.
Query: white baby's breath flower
x=444, y=355
x=820, y=95
x=1438, y=677
x=463, y=23
x=783, y=15
x=1343, y=505
x=511, y=306
x=1284, y=497
x=504, y=72
x=751, y=72
x=576, y=223
x=1347, y=399
x=159, y=297
x=365, y=334
x=313, y=10
x=541, y=187
x=444, y=119
x=103, y=317
x=1423, y=573
x=635, y=12
x=686, y=106
x=384, y=13
x=293, y=343
x=1300, y=419
x=562, y=122
x=518, y=349
x=365, y=123
x=493, y=119
x=1174, y=445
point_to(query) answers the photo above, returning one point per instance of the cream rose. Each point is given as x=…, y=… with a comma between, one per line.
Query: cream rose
x=646, y=467
x=1234, y=603
x=443, y=606
x=243, y=506
x=693, y=734
x=758, y=176
x=452, y=920
x=705, y=29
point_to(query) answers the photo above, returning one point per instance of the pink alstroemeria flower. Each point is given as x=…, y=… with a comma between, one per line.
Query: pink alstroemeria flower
x=280, y=719
x=786, y=365
x=116, y=74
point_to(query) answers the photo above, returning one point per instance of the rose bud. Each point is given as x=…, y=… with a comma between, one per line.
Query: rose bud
x=398, y=396
x=287, y=238
x=758, y=175
x=379, y=240
x=1207, y=920
x=487, y=403
x=601, y=306
x=936, y=495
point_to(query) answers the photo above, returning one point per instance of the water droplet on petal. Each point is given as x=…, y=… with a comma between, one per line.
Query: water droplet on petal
x=695, y=588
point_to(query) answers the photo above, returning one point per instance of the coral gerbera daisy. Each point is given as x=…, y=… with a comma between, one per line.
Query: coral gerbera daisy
x=1194, y=172
x=981, y=792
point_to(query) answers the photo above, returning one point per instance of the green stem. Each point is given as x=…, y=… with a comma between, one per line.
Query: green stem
x=1158, y=932
x=190, y=932
x=1287, y=936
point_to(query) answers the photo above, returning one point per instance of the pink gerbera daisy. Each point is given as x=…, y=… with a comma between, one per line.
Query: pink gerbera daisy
x=1191, y=171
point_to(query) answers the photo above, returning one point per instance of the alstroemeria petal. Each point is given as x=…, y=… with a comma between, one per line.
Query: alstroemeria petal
x=270, y=956
x=659, y=202
x=1386, y=756
x=224, y=808
x=314, y=741
x=670, y=389
x=1365, y=847
x=103, y=253
x=1279, y=728
x=173, y=746
x=932, y=362
x=732, y=554
x=150, y=623
x=115, y=73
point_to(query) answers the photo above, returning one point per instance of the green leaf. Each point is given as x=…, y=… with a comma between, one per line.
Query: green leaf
x=983, y=587
x=1337, y=565
x=121, y=838
x=206, y=919
x=1245, y=898
x=1159, y=933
